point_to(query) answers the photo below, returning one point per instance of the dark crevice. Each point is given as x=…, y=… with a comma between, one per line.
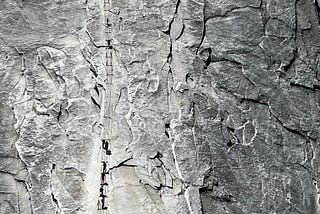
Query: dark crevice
x=167, y=127
x=121, y=164
x=59, y=113
x=169, y=57
x=234, y=140
x=135, y=62
x=226, y=14
x=230, y=129
x=227, y=198
x=317, y=9
x=285, y=127
x=102, y=200
x=95, y=102
x=294, y=131
x=291, y=63
x=167, y=32
x=208, y=61
x=181, y=33
x=177, y=7
x=96, y=89
x=91, y=66
x=157, y=156
x=210, y=194
x=205, y=190
x=53, y=198
x=230, y=143
x=93, y=71
x=256, y=101
x=144, y=185
x=214, y=59
x=105, y=147
x=188, y=77
x=316, y=87
x=118, y=99
x=94, y=44
x=167, y=134
x=296, y=164
x=292, y=84
x=53, y=168
x=103, y=183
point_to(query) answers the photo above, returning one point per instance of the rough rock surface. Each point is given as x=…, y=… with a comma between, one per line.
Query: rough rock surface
x=159, y=106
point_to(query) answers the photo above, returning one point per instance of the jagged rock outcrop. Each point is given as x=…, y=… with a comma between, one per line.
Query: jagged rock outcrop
x=156, y=106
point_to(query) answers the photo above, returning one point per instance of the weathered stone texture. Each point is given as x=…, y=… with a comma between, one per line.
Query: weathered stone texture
x=159, y=106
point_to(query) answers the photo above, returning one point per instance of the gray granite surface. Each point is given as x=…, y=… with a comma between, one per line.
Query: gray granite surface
x=159, y=106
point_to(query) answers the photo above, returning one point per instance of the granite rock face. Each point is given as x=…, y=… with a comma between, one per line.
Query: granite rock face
x=159, y=106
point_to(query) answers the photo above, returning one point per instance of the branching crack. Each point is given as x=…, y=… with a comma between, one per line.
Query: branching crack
x=53, y=197
x=92, y=41
x=284, y=126
x=123, y=163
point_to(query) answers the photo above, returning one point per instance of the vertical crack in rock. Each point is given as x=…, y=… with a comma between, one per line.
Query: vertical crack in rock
x=317, y=4
x=106, y=111
x=20, y=194
x=53, y=197
x=169, y=31
x=170, y=74
x=160, y=107
x=203, y=34
x=26, y=185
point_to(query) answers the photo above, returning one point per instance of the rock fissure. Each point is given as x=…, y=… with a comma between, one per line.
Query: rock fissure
x=159, y=107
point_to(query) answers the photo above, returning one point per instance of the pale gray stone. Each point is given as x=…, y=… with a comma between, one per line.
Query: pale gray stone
x=159, y=107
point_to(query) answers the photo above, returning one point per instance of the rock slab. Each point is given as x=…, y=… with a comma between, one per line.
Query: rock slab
x=173, y=107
